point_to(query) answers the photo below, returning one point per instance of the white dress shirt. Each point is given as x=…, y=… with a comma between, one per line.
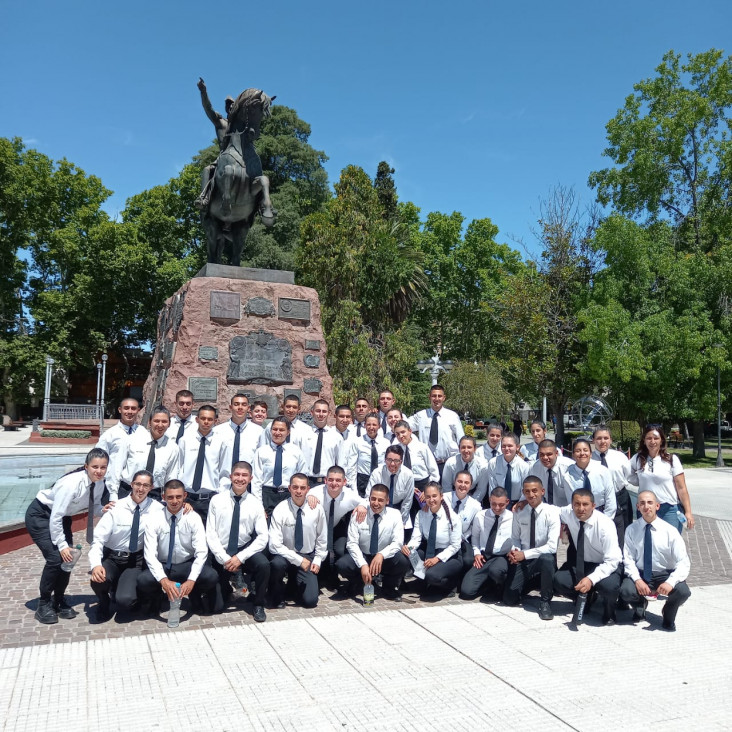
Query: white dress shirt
x=497, y=475
x=252, y=524
x=354, y=429
x=449, y=431
x=448, y=538
x=482, y=525
x=357, y=456
x=403, y=489
x=314, y=532
x=423, y=461
x=477, y=468
x=216, y=466
x=491, y=452
x=345, y=501
x=618, y=465
x=546, y=530
x=190, y=542
x=114, y=441
x=189, y=424
x=468, y=510
x=657, y=476
x=249, y=436
x=264, y=465
x=530, y=452
x=68, y=496
x=669, y=551
x=298, y=434
x=559, y=493
x=114, y=530
x=601, y=541
x=391, y=535
x=601, y=481
x=134, y=458
x=332, y=441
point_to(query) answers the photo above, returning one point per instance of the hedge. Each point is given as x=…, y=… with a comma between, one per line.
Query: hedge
x=67, y=434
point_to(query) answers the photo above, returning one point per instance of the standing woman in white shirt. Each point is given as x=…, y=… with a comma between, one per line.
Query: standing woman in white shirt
x=654, y=469
x=530, y=451
x=48, y=520
x=437, y=536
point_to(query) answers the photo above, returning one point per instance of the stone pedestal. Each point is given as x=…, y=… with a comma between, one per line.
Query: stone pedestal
x=219, y=335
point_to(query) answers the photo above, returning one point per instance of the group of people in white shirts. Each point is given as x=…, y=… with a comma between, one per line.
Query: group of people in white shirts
x=206, y=511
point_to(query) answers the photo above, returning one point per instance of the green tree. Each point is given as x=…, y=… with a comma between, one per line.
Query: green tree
x=477, y=389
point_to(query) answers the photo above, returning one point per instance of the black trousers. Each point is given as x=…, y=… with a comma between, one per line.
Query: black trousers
x=122, y=574
x=609, y=588
x=54, y=580
x=256, y=566
x=305, y=583
x=149, y=588
x=200, y=505
x=443, y=575
x=623, y=514
x=362, y=481
x=466, y=555
x=520, y=575
x=328, y=575
x=492, y=575
x=271, y=497
x=124, y=490
x=393, y=569
x=677, y=597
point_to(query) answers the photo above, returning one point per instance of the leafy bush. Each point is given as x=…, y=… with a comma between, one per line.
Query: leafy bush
x=630, y=435
x=480, y=434
x=469, y=431
x=67, y=434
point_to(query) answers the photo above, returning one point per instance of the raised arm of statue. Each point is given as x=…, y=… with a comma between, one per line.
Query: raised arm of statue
x=218, y=120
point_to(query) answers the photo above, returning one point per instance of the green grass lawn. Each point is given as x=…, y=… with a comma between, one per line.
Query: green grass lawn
x=710, y=461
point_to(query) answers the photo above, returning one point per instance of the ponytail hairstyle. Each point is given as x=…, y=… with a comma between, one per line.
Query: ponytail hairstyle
x=437, y=486
x=93, y=454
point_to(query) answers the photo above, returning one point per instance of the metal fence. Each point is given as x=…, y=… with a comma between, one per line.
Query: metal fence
x=63, y=412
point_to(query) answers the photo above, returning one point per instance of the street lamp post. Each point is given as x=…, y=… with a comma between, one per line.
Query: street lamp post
x=47, y=392
x=99, y=404
x=720, y=461
x=435, y=367
x=104, y=380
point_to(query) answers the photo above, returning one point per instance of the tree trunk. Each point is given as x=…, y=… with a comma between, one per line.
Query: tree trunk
x=558, y=410
x=698, y=427
x=10, y=407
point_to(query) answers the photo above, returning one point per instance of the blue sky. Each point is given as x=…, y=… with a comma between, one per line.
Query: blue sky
x=480, y=106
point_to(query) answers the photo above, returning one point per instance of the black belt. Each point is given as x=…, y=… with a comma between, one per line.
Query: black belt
x=122, y=555
x=280, y=489
x=204, y=495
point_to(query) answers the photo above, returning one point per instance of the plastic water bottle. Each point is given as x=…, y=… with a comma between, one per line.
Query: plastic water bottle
x=579, y=608
x=174, y=614
x=241, y=586
x=75, y=554
x=681, y=517
x=368, y=594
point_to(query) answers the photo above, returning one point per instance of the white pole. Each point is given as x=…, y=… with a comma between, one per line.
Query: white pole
x=47, y=393
x=104, y=382
x=543, y=410
x=99, y=405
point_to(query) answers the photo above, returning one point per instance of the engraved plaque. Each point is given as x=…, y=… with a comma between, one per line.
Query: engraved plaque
x=208, y=353
x=259, y=358
x=312, y=345
x=312, y=361
x=177, y=316
x=204, y=388
x=273, y=407
x=312, y=386
x=168, y=352
x=225, y=305
x=293, y=392
x=290, y=309
x=260, y=306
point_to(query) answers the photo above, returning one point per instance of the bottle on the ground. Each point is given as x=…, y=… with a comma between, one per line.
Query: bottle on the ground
x=75, y=554
x=174, y=614
x=368, y=594
x=579, y=608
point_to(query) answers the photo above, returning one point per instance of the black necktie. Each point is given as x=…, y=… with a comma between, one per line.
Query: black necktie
x=358, y=429
x=550, y=485
x=490, y=544
x=277, y=474
x=135, y=530
x=581, y=552
x=150, y=464
x=331, y=522
x=407, y=458
x=648, y=555
x=494, y=451
x=237, y=442
x=532, y=531
x=181, y=430
x=383, y=424
x=374, y=456
x=432, y=539
x=129, y=430
x=603, y=459
x=433, y=430
x=90, y=516
x=465, y=468
x=171, y=544
x=318, y=452
x=457, y=507
x=586, y=481
x=391, y=489
x=298, y=531
x=200, y=460
x=508, y=483
x=233, y=546
x=374, y=546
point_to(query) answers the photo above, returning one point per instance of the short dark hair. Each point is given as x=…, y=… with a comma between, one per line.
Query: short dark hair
x=144, y=473
x=173, y=484
x=160, y=409
x=533, y=479
x=280, y=418
x=291, y=398
x=208, y=408
x=341, y=407
x=299, y=476
x=583, y=492
x=243, y=464
x=183, y=393
x=439, y=387
x=469, y=438
x=239, y=395
x=337, y=469
x=547, y=443
x=96, y=453
x=395, y=450
x=462, y=472
x=499, y=492
x=380, y=487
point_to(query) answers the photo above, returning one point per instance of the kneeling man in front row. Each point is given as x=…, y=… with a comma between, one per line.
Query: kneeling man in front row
x=656, y=561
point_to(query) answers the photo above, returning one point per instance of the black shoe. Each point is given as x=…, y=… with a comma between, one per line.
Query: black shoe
x=103, y=613
x=281, y=605
x=343, y=592
x=46, y=614
x=669, y=626
x=259, y=615
x=392, y=594
x=545, y=610
x=640, y=611
x=608, y=617
x=64, y=610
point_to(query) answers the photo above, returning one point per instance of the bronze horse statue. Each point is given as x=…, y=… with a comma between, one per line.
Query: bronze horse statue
x=234, y=188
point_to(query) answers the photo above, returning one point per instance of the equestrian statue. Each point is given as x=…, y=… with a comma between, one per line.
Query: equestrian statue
x=234, y=188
